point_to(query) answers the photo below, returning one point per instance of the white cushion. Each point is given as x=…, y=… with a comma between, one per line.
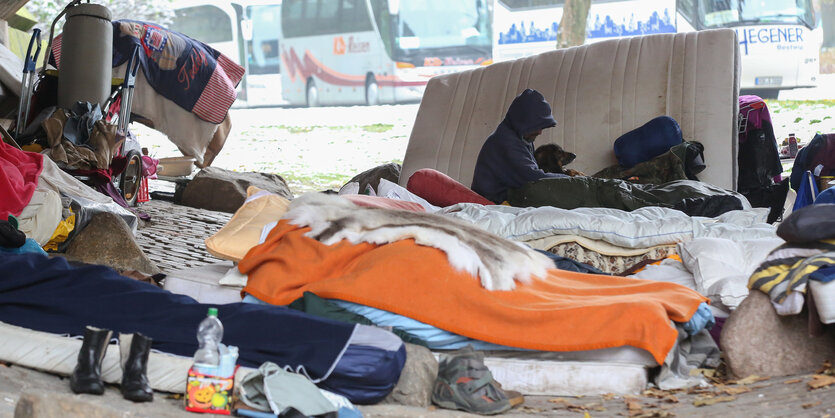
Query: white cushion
x=721, y=267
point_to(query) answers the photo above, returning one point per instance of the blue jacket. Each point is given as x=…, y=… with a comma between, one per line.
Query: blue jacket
x=506, y=160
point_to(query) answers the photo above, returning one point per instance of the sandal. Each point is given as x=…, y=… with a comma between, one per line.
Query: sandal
x=465, y=383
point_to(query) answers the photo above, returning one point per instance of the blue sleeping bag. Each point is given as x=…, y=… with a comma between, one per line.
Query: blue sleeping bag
x=50, y=295
x=647, y=141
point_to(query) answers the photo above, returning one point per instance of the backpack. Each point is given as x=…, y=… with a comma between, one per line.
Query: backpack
x=758, y=157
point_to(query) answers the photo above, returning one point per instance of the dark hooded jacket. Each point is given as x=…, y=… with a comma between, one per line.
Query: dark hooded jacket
x=506, y=160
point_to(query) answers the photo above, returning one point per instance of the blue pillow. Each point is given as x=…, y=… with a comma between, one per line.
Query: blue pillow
x=647, y=141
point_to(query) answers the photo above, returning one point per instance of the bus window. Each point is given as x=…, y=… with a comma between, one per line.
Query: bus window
x=383, y=19
x=263, y=45
x=442, y=23
x=719, y=13
x=327, y=18
x=295, y=22
x=207, y=24
x=354, y=16
x=687, y=10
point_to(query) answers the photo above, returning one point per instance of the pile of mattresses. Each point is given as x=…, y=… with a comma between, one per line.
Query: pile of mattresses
x=262, y=238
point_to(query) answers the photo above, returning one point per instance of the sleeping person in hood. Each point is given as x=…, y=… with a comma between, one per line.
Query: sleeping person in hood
x=506, y=160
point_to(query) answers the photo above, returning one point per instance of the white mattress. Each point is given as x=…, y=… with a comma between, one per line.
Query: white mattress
x=619, y=370
x=58, y=354
x=598, y=92
x=567, y=378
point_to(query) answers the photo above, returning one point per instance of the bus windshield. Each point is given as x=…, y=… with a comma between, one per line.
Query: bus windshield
x=414, y=26
x=723, y=13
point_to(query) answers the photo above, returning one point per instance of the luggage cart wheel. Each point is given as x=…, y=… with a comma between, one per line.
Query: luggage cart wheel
x=131, y=179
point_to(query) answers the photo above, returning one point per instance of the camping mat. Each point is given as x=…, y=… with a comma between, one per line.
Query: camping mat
x=567, y=378
x=58, y=354
x=564, y=311
x=610, y=263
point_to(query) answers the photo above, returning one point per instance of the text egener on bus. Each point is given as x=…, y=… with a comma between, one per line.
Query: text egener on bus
x=779, y=40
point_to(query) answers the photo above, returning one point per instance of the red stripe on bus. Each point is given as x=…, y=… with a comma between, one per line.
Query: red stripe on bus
x=310, y=66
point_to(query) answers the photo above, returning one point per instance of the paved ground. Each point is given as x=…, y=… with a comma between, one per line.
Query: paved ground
x=45, y=395
x=174, y=239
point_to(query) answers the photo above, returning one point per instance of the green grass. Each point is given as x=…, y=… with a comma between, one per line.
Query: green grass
x=375, y=128
x=303, y=129
x=300, y=184
x=378, y=127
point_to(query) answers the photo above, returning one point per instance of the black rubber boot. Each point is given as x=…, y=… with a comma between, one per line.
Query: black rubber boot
x=135, y=386
x=86, y=377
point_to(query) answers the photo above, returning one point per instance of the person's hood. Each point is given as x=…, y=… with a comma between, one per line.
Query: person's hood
x=529, y=112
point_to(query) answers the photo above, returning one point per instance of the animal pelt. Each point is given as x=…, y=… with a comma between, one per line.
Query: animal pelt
x=551, y=158
x=498, y=262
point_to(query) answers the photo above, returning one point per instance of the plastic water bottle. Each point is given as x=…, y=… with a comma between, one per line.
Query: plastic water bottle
x=792, y=146
x=209, y=335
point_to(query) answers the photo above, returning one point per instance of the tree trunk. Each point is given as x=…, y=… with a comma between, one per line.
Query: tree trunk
x=572, y=30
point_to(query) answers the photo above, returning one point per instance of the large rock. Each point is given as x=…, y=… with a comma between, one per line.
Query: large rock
x=49, y=405
x=416, y=380
x=108, y=240
x=390, y=172
x=225, y=191
x=757, y=341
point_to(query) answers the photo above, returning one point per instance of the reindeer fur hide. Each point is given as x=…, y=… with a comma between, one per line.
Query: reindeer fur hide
x=498, y=262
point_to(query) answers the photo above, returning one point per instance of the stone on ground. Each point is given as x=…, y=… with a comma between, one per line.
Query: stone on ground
x=108, y=240
x=414, y=388
x=758, y=341
x=225, y=191
x=42, y=405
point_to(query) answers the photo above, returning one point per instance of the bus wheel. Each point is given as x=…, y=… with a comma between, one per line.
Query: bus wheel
x=372, y=91
x=312, y=94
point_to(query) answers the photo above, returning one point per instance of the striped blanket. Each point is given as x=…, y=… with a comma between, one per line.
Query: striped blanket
x=787, y=269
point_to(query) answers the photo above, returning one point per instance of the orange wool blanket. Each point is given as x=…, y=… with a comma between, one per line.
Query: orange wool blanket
x=565, y=311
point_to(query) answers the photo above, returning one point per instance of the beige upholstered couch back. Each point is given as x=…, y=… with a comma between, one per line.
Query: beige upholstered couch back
x=597, y=92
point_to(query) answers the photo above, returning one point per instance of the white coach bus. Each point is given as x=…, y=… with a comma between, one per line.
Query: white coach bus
x=779, y=40
x=342, y=52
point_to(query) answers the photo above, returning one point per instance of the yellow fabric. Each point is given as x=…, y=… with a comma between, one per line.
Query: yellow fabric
x=62, y=232
x=243, y=231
